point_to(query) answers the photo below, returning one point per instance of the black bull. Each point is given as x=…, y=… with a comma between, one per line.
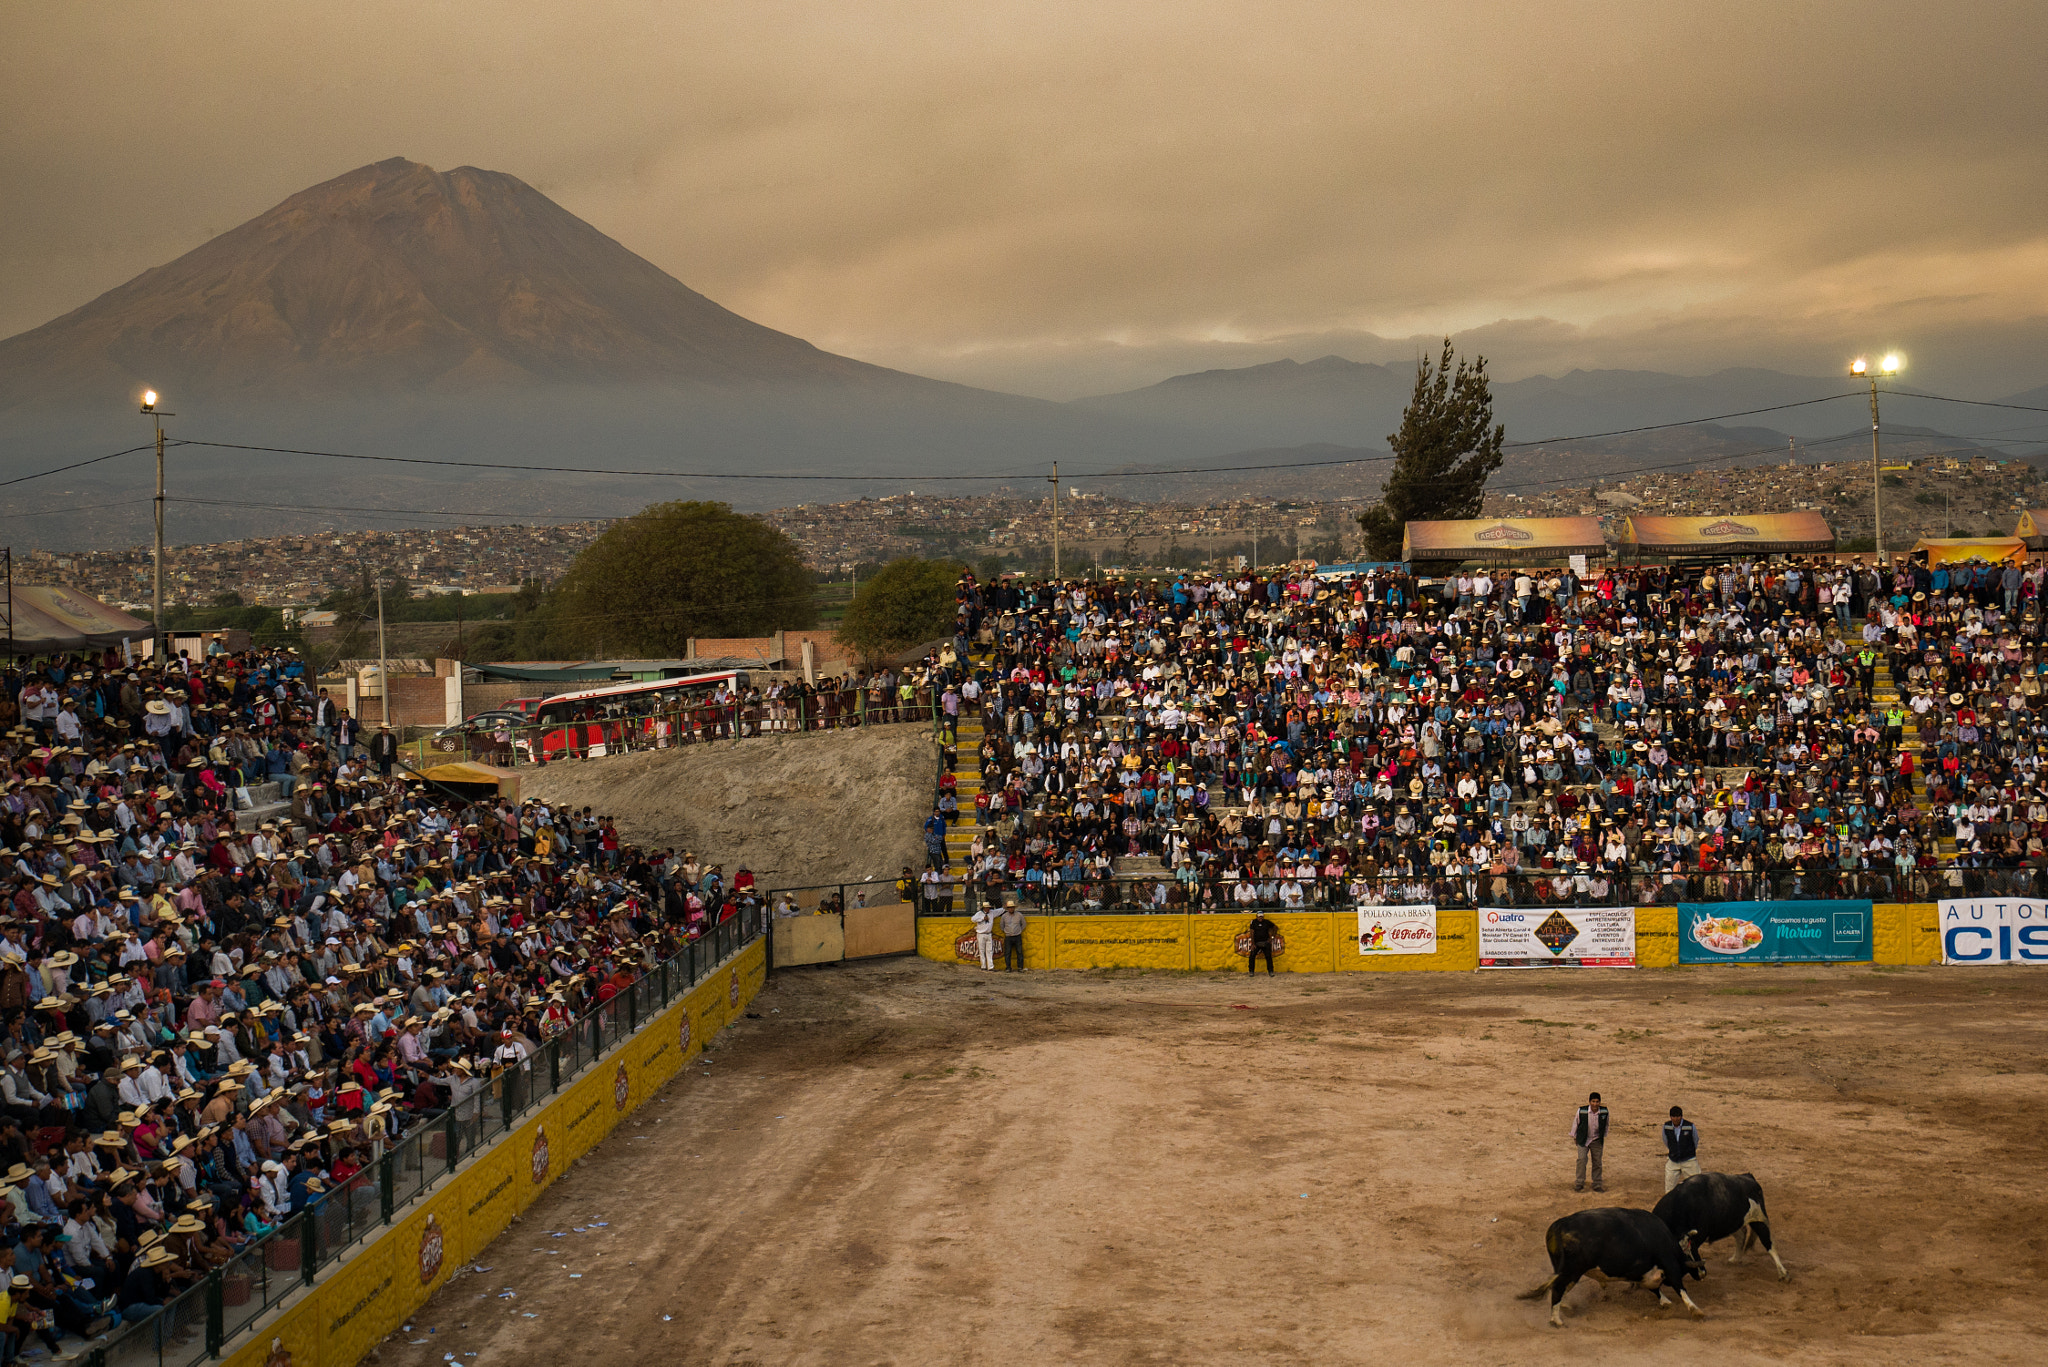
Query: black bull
x=1627, y=1245
x=1715, y=1205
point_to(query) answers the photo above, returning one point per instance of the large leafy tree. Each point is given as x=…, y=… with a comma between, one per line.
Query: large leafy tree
x=909, y=602
x=674, y=571
x=1447, y=447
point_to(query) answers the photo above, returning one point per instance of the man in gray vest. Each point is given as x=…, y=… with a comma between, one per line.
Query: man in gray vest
x=1589, y=1136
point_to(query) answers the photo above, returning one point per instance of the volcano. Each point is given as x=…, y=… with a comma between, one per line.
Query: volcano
x=400, y=277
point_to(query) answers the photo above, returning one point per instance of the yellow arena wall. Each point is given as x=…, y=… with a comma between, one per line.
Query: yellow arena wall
x=1321, y=941
x=370, y=1294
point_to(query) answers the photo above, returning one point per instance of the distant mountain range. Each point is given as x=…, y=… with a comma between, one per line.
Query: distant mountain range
x=462, y=315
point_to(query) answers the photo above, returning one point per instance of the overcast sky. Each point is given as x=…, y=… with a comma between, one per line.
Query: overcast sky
x=1064, y=198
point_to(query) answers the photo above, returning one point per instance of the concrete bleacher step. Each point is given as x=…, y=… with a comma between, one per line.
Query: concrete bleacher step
x=270, y=806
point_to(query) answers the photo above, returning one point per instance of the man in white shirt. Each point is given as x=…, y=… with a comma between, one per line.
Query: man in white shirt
x=985, y=938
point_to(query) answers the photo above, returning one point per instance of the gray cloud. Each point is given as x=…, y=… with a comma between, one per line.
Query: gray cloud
x=1067, y=198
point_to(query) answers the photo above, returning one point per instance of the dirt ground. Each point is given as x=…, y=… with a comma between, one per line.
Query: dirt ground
x=797, y=810
x=906, y=1162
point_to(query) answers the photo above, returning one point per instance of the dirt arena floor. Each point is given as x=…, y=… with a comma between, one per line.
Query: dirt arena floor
x=904, y=1162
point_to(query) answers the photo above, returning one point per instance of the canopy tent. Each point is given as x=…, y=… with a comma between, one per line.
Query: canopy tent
x=2033, y=528
x=1761, y=534
x=1947, y=550
x=1507, y=540
x=47, y=619
x=471, y=780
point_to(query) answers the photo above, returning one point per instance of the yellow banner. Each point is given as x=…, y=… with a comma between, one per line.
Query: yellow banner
x=1119, y=941
x=1800, y=531
x=1503, y=538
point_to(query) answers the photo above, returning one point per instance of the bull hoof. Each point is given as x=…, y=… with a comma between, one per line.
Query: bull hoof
x=1698, y=1313
x=1784, y=1274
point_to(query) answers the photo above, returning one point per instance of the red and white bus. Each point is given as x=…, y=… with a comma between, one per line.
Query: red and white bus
x=653, y=713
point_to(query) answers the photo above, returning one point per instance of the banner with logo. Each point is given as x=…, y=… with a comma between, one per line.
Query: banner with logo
x=1774, y=932
x=1994, y=930
x=1397, y=930
x=1575, y=937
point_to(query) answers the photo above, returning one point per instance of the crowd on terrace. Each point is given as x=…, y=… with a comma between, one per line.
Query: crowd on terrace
x=204, y=1030
x=1632, y=735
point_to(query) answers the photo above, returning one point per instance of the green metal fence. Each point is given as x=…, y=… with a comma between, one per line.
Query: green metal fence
x=198, y=1324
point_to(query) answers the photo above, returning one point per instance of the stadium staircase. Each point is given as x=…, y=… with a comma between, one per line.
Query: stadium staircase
x=968, y=783
x=1883, y=695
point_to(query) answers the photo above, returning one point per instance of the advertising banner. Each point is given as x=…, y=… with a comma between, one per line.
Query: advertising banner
x=1576, y=937
x=1774, y=932
x=1397, y=930
x=1994, y=930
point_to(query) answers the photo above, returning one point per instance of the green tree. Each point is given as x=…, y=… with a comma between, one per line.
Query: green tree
x=1447, y=447
x=908, y=603
x=674, y=571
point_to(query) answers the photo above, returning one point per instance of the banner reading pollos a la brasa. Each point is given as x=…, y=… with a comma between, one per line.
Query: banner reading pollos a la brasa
x=1994, y=930
x=1774, y=932
x=1397, y=929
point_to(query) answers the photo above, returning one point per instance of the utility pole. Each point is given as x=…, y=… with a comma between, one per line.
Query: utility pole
x=160, y=637
x=383, y=663
x=1862, y=369
x=1055, y=481
x=1255, y=548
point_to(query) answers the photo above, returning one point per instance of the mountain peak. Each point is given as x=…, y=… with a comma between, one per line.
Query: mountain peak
x=395, y=276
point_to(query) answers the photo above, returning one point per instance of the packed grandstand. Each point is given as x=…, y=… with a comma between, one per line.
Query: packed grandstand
x=1634, y=735
x=212, y=1029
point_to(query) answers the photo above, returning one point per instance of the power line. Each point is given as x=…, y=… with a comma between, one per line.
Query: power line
x=959, y=478
x=75, y=508
x=1975, y=403
x=80, y=465
x=1690, y=422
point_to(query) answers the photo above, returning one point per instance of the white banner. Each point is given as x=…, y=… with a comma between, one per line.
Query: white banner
x=1583, y=937
x=1994, y=930
x=1397, y=930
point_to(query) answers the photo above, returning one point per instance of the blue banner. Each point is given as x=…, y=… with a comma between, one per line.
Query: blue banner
x=1774, y=932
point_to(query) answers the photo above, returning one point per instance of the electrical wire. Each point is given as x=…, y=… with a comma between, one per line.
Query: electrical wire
x=80, y=465
x=76, y=508
x=1148, y=473
x=1975, y=403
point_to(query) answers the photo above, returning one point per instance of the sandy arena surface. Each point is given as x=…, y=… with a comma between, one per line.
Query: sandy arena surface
x=905, y=1162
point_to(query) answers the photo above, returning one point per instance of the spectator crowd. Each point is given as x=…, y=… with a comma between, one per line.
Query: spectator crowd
x=205, y=1030
x=1498, y=737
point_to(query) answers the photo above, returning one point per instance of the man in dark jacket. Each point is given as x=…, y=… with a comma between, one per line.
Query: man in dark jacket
x=1262, y=931
x=103, y=1101
x=1589, y=1136
x=384, y=750
x=1681, y=1149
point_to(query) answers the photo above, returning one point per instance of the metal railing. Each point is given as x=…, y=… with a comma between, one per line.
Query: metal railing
x=866, y=892
x=694, y=724
x=197, y=1324
x=1167, y=892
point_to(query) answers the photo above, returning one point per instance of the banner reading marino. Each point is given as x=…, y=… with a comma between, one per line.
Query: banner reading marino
x=1774, y=932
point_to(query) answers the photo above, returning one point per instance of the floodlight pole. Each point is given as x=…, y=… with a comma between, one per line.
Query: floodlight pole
x=1054, y=479
x=1876, y=477
x=160, y=636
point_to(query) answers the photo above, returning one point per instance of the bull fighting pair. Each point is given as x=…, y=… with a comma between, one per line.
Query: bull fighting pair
x=1657, y=1249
